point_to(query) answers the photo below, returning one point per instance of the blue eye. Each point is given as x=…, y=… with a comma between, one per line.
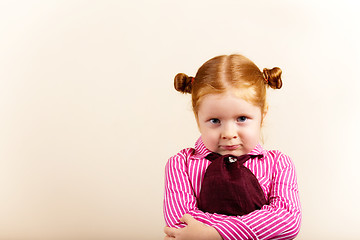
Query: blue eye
x=242, y=119
x=214, y=121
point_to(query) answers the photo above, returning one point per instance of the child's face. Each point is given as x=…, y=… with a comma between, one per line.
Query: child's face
x=228, y=124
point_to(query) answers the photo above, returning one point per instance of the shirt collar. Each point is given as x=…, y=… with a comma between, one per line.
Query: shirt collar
x=201, y=151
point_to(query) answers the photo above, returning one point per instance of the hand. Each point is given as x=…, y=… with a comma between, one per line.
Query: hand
x=194, y=230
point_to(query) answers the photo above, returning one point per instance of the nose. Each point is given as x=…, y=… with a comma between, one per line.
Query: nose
x=229, y=132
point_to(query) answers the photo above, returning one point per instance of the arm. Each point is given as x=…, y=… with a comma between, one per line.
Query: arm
x=278, y=220
x=195, y=230
x=179, y=197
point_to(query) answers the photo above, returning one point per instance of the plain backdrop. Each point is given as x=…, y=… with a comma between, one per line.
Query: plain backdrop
x=89, y=115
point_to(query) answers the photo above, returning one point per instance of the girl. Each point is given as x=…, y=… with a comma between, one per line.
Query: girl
x=229, y=186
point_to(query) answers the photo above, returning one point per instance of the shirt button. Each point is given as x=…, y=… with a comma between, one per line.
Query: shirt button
x=232, y=159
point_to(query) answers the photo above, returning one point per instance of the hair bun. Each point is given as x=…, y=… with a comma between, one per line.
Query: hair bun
x=273, y=77
x=183, y=83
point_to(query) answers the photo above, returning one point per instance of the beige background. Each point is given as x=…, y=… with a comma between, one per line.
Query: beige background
x=89, y=116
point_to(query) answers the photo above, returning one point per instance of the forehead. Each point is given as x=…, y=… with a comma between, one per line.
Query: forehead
x=225, y=104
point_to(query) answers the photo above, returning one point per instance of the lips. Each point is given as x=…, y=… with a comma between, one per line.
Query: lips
x=230, y=147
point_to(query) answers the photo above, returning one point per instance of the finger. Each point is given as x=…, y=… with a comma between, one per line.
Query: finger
x=167, y=237
x=187, y=218
x=170, y=232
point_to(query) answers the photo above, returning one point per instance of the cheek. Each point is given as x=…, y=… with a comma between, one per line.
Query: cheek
x=251, y=135
x=210, y=140
x=209, y=136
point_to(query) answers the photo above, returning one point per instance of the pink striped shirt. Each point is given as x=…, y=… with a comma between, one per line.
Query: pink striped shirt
x=279, y=219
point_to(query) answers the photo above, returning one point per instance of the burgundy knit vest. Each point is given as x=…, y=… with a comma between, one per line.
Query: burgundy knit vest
x=229, y=187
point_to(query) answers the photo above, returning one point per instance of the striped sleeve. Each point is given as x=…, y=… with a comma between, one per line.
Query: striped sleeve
x=179, y=197
x=281, y=218
x=278, y=220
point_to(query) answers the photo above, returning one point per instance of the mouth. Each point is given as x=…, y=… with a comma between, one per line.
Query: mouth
x=230, y=147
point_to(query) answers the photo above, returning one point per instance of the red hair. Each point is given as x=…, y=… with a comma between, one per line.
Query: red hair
x=234, y=73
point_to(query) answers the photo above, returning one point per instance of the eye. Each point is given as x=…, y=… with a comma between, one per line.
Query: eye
x=214, y=121
x=242, y=119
